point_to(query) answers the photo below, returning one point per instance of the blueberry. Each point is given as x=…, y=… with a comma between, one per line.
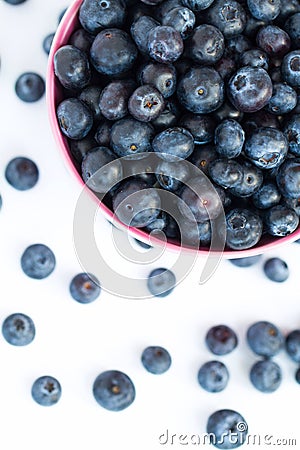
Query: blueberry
x=140, y=29
x=292, y=345
x=156, y=359
x=283, y=100
x=276, y=269
x=246, y=261
x=229, y=138
x=146, y=103
x=114, y=390
x=47, y=42
x=30, y=87
x=14, y=2
x=251, y=181
x=142, y=168
x=273, y=40
x=244, y=229
x=75, y=118
x=290, y=68
x=264, y=339
x=162, y=76
x=90, y=96
x=171, y=175
x=181, y=19
x=130, y=137
x=254, y=58
x=81, y=39
x=267, y=195
x=79, y=148
x=227, y=429
x=114, y=98
x=46, y=390
x=72, y=67
x=95, y=15
x=281, y=220
x=22, y=173
x=202, y=157
x=173, y=144
x=197, y=5
x=250, y=89
x=113, y=52
x=169, y=116
x=18, y=329
x=213, y=376
x=84, y=288
x=201, y=126
x=292, y=27
x=135, y=203
x=291, y=130
x=266, y=147
x=297, y=376
x=38, y=261
x=228, y=16
x=161, y=282
x=201, y=90
x=288, y=178
x=266, y=376
x=205, y=45
x=225, y=172
x=221, y=340
x=165, y=44
x=264, y=9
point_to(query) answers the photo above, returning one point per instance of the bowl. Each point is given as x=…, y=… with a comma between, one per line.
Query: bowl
x=54, y=94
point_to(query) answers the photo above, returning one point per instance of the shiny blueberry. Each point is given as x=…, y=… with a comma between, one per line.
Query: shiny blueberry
x=146, y=103
x=38, y=261
x=201, y=126
x=283, y=100
x=18, y=329
x=84, y=288
x=292, y=27
x=81, y=39
x=266, y=147
x=161, y=282
x=213, y=376
x=156, y=359
x=114, y=97
x=47, y=42
x=288, y=178
x=90, y=96
x=130, y=137
x=221, y=340
x=290, y=68
x=171, y=175
x=251, y=181
x=264, y=339
x=95, y=15
x=229, y=138
x=273, y=40
x=205, y=45
x=173, y=143
x=266, y=376
x=140, y=29
x=291, y=129
x=22, y=173
x=228, y=16
x=246, y=261
x=244, y=229
x=267, y=195
x=72, y=67
x=225, y=172
x=162, y=76
x=30, y=87
x=227, y=429
x=46, y=390
x=292, y=345
x=165, y=44
x=254, y=58
x=276, y=269
x=281, y=220
x=197, y=5
x=114, y=390
x=264, y=9
x=75, y=118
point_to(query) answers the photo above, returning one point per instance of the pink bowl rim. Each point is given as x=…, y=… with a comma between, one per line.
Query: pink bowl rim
x=60, y=38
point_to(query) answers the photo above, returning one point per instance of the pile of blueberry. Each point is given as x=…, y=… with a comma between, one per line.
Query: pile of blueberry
x=209, y=86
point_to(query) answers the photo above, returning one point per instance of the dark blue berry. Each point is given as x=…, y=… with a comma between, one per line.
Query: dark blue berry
x=266, y=147
x=244, y=229
x=205, y=45
x=173, y=144
x=246, y=261
x=162, y=76
x=201, y=126
x=90, y=96
x=292, y=345
x=254, y=58
x=182, y=19
x=38, y=261
x=75, y=118
x=276, y=269
x=165, y=44
x=281, y=220
x=264, y=339
x=18, y=329
x=197, y=5
x=229, y=138
x=221, y=340
x=47, y=42
x=161, y=282
x=95, y=15
x=297, y=376
x=213, y=376
x=225, y=172
x=156, y=359
x=146, y=103
x=81, y=39
x=72, y=67
x=46, y=390
x=291, y=130
x=283, y=100
x=202, y=157
x=171, y=175
x=292, y=27
x=288, y=178
x=267, y=195
x=113, y=390
x=30, y=87
x=139, y=31
x=14, y=2
x=264, y=9
x=130, y=137
x=228, y=16
x=227, y=429
x=251, y=181
x=114, y=98
x=84, y=288
x=266, y=376
x=22, y=173
x=273, y=40
x=290, y=68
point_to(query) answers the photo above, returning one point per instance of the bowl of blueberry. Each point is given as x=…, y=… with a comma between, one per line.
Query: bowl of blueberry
x=182, y=118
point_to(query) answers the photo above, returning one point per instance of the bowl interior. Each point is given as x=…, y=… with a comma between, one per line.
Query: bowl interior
x=54, y=95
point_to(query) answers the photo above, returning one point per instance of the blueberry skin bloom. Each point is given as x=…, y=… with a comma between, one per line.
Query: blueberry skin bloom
x=292, y=27
x=22, y=173
x=267, y=196
x=273, y=40
x=201, y=90
x=221, y=340
x=30, y=87
x=266, y=147
x=113, y=52
x=146, y=103
x=161, y=282
x=264, y=339
x=265, y=10
x=290, y=68
x=18, y=329
x=173, y=144
x=95, y=15
x=292, y=345
x=227, y=429
x=156, y=359
x=72, y=67
x=283, y=100
x=46, y=390
x=250, y=89
x=197, y=5
x=266, y=376
x=165, y=44
x=246, y=261
x=244, y=229
x=75, y=119
x=280, y=220
x=206, y=44
x=276, y=270
x=182, y=19
x=229, y=138
x=113, y=390
x=38, y=261
x=228, y=16
x=84, y=288
x=288, y=178
x=213, y=376
x=130, y=137
x=291, y=129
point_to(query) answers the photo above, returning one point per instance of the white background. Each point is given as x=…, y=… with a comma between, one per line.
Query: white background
x=76, y=342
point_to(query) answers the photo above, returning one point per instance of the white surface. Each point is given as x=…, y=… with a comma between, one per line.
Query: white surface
x=76, y=342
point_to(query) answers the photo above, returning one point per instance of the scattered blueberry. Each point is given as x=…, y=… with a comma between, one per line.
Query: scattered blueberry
x=221, y=340
x=114, y=390
x=213, y=376
x=14, y=2
x=264, y=339
x=46, y=390
x=297, y=375
x=18, y=329
x=276, y=269
x=292, y=345
x=47, y=42
x=266, y=375
x=38, y=261
x=247, y=261
x=161, y=282
x=22, y=173
x=84, y=288
x=30, y=87
x=156, y=359
x=227, y=429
